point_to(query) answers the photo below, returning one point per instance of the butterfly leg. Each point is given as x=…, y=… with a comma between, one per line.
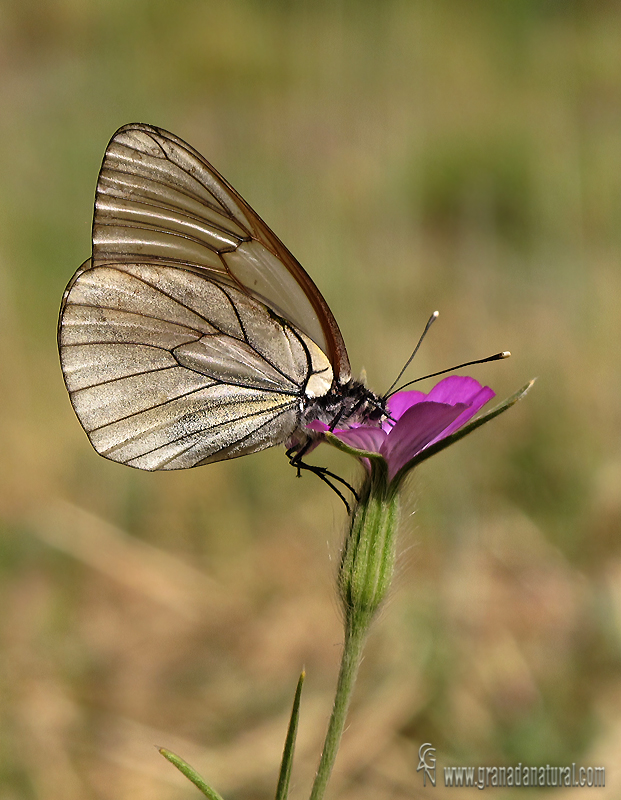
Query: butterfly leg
x=295, y=456
x=322, y=473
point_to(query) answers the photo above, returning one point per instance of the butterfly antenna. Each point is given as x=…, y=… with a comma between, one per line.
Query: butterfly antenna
x=495, y=357
x=430, y=322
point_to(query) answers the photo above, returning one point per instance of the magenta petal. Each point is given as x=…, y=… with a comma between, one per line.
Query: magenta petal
x=420, y=425
x=417, y=420
x=362, y=438
x=399, y=403
x=456, y=389
x=317, y=425
x=483, y=395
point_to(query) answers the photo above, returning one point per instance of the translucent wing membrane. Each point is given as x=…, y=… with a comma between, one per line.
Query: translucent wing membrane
x=169, y=368
x=158, y=202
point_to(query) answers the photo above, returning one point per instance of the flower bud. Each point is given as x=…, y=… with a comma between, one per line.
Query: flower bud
x=368, y=556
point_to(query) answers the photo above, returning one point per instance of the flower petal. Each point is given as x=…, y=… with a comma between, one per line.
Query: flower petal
x=456, y=389
x=417, y=420
x=421, y=424
x=362, y=438
x=318, y=425
x=478, y=396
x=399, y=403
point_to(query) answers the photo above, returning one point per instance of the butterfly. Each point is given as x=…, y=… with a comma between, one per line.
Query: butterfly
x=192, y=334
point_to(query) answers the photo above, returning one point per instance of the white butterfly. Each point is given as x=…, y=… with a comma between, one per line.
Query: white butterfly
x=192, y=334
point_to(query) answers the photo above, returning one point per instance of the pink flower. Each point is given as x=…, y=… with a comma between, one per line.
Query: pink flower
x=417, y=421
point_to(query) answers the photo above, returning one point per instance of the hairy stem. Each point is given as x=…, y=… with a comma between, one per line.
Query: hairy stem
x=356, y=628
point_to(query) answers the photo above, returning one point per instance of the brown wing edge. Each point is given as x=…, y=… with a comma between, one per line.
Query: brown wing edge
x=337, y=352
x=63, y=304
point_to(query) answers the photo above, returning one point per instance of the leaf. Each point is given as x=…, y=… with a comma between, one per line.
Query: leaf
x=282, y=789
x=191, y=774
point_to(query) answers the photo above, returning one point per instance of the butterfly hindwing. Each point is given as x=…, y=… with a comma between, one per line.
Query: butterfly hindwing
x=168, y=368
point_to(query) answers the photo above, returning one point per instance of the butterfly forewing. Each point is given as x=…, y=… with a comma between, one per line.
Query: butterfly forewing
x=159, y=202
x=167, y=368
x=192, y=334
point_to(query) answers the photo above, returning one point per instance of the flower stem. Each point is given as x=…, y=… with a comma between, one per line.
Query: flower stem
x=356, y=628
x=365, y=571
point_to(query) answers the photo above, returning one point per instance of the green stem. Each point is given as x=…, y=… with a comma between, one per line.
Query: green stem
x=356, y=628
x=364, y=575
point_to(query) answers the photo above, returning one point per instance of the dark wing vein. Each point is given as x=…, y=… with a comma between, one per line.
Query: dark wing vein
x=222, y=208
x=166, y=402
x=280, y=409
x=147, y=170
x=130, y=375
x=184, y=305
x=208, y=320
x=109, y=176
x=141, y=201
x=138, y=314
x=243, y=439
x=104, y=342
x=146, y=226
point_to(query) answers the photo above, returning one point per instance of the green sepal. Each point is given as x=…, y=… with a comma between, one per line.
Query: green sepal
x=191, y=774
x=459, y=434
x=282, y=790
x=330, y=438
x=368, y=554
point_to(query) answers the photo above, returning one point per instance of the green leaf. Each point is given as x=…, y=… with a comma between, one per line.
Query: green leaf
x=282, y=790
x=191, y=774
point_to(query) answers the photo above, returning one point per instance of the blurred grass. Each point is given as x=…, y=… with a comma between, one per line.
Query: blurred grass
x=413, y=156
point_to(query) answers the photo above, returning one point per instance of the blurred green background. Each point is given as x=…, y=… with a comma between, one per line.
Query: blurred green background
x=413, y=155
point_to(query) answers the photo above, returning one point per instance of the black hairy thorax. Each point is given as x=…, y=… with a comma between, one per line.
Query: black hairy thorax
x=345, y=405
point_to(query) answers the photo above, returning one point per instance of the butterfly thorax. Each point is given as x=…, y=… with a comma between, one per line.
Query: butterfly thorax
x=344, y=406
